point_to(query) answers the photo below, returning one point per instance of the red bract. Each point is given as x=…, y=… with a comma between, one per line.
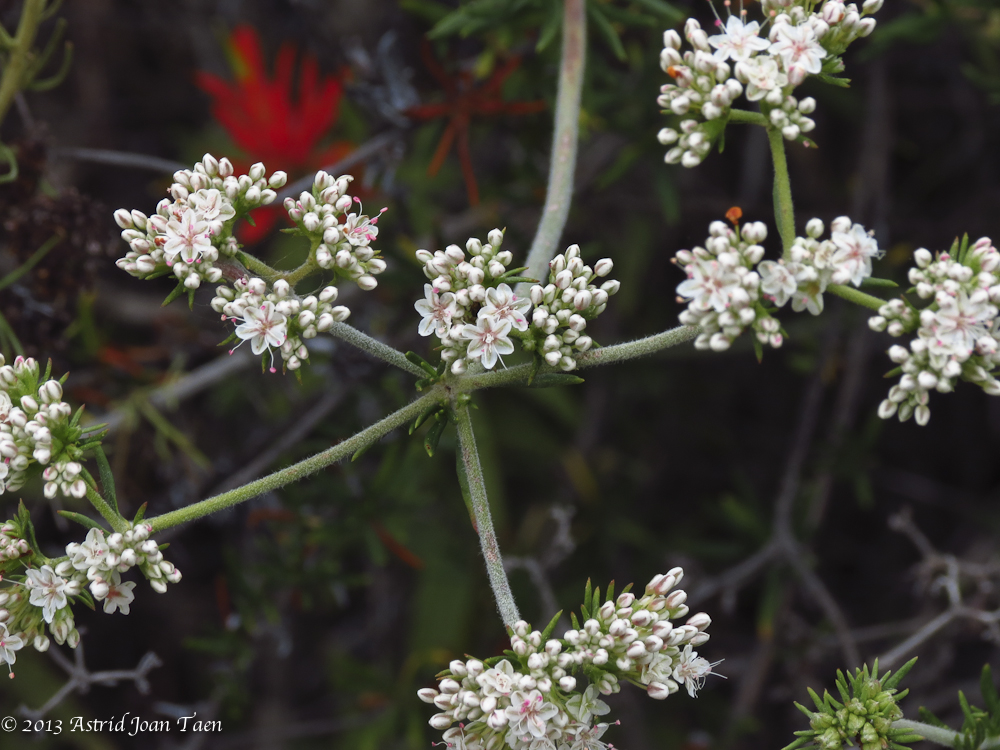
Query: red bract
x=463, y=101
x=261, y=117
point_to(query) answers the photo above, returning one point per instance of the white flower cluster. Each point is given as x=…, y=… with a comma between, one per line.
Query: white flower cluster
x=845, y=258
x=194, y=226
x=468, y=305
x=37, y=427
x=341, y=247
x=957, y=334
x=726, y=292
x=529, y=699
x=43, y=598
x=12, y=546
x=803, y=40
x=565, y=305
x=279, y=317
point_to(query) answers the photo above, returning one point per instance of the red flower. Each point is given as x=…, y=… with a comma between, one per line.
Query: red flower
x=463, y=101
x=263, y=121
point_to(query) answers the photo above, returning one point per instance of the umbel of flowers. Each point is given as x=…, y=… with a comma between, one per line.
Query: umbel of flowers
x=765, y=62
x=730, y=287
x=191, y=235
x=533, y=696
x=957, y=333
x=38, y=603
x=471, y=308
x=38, y=429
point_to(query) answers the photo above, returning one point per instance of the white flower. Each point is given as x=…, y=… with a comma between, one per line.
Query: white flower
x=120, y=594
x=436, y=312
x=778, y=281
x=659, y=669
x=499, y=680
x=5, y=404
x=359, y=229
x=761, y=74
x=213, y=207
x=503, y=304
x=48, y=591
x=691, y=670
x=960, y=323
x=588, y=738
x=710, y=285
x=263, y=326
x=90, y=553
x=188, y=237
x=488, y=340
x=739, y=41
x=8, y=645
x=852, y=260
x=528, y=713
x=798, y=46
x=584, y=706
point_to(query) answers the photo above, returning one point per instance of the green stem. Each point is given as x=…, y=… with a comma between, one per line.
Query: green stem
x=484, y=520
x=258, y=267
x=306, y=269
x=606, y=355
x=559, y=193
x=931, y=733
x=31, y=262
x=302, y=469
x=117, y=523
x=856, y=296
x=743, y=117
x=784, y=209
x=17, y=65
x=376, y=348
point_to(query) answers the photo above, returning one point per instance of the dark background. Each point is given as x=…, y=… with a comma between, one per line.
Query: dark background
x=309, y=617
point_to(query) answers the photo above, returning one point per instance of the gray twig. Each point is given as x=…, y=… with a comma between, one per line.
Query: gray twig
x=118, y=158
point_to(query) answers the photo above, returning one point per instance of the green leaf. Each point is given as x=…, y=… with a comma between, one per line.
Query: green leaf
x=434, y=434
x=588, y=597
x=574, y=621
x=81, y=519
x=890, y=683
x=547, y=633
x=758, y=349
x=7, y=154
x=609, y=595
x=140, y=514
x=989, y=691
x=596, y=12
x=107, y=478
x=422, y=363
x=844, y=83
x=550, y=29
x=176, y=292
x=30, y=263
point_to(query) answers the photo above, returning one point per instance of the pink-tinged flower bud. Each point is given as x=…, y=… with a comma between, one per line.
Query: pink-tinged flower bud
x=600, y=657
x=497, y=720
x=427, y=695
x=671, y=39
x=700, y=621
x=699, y=638
x=657, y=691
x=635, y=651
x=865, y=27
x=441, y=721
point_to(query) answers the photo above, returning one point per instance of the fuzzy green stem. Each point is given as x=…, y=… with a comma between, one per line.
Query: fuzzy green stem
x=116, y=522
x=559, y=193
x=784, y=209
x=376, y=348
x=338, y=452
x=518, y=375
x=743, y=117
x=17, y=65
x=306, y=269
x=856, y=296
x=484, y=520
x=258, y=267
x=931, y=733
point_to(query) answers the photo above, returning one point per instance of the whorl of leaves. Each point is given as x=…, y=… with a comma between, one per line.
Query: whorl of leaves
x=864, y=715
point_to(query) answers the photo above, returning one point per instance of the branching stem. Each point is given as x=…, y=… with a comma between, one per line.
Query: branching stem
x=374, y=347
x=484, y=520
x=107, y=512
x=311, y=465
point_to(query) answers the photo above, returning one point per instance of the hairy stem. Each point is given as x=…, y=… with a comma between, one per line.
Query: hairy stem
x=856, y=296
x=338, y=452
x=743, y=117
x=559, y=193
x=107, y=512
x=518, y=375
x=784, y=209
x=484, y=520
x=374, y=347
x=931, y=733
x=16, y=69
x=258, y=267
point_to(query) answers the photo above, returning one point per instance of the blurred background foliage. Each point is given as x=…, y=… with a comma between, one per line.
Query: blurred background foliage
x=308, y=618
